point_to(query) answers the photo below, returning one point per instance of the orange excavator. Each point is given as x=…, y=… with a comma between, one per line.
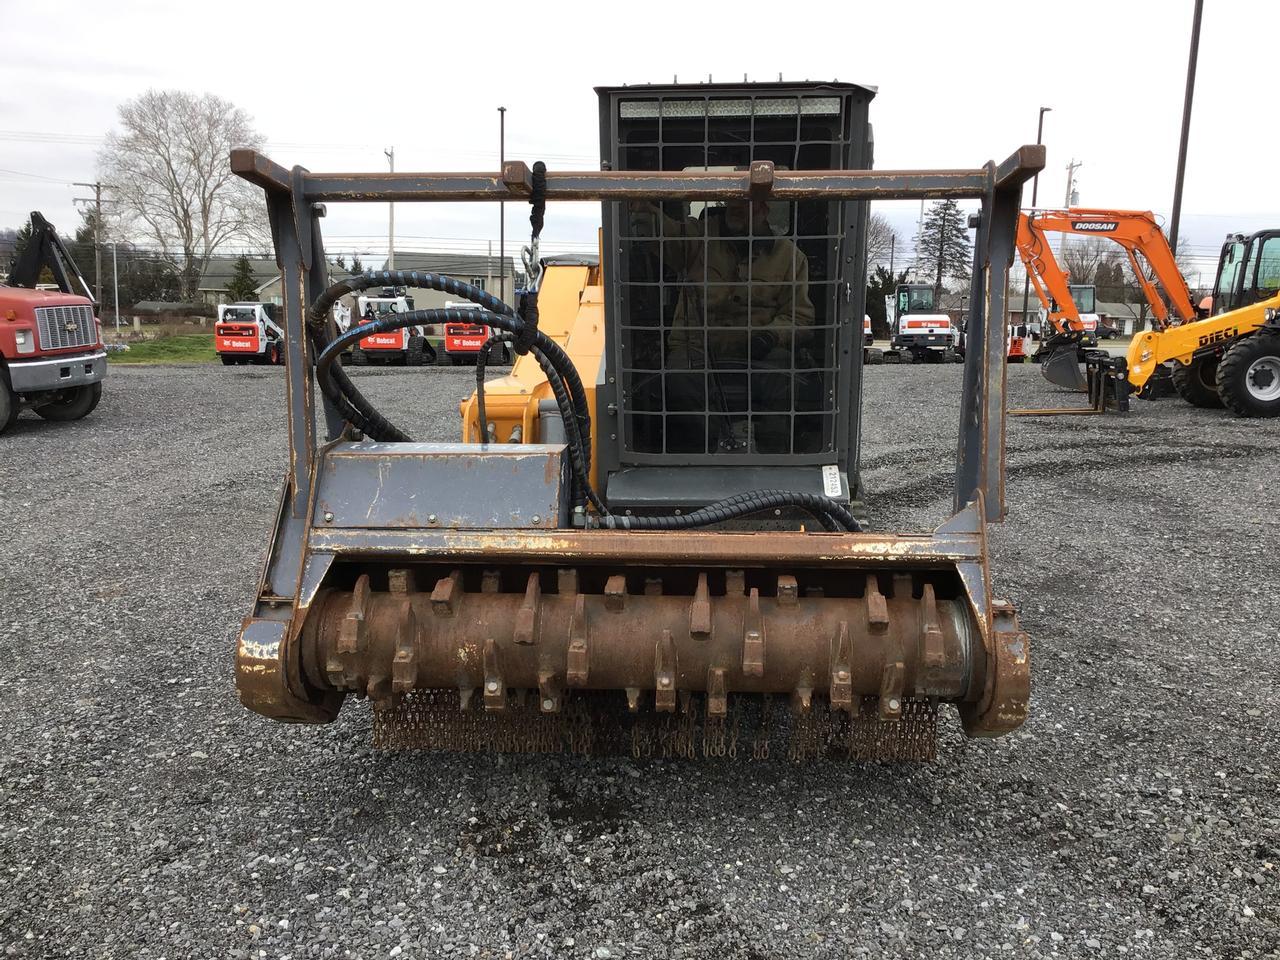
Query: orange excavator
x=1150, y=258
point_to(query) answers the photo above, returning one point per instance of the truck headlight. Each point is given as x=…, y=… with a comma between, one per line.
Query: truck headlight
x=25, y=340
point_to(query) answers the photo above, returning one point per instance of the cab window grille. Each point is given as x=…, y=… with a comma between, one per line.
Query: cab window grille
x=731, y=335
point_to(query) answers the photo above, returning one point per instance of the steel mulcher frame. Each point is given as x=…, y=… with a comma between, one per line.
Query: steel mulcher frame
x=307, y=643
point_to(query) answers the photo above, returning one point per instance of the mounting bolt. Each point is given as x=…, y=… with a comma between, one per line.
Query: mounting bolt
x=492, y=686
x=431, y=518
x=664, y=681
x=894, y=703
x=548, y=704
x=328, y=516
x=842, y=676
x=537, y=518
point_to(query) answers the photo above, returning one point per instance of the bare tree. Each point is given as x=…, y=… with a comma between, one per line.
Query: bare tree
x=170, y=179
x=880, y=240
x=1082, y=256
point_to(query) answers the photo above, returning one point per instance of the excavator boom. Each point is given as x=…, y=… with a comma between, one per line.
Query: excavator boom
x=1150, y=258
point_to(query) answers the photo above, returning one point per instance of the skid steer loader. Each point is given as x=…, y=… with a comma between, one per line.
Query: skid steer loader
x=650, y=542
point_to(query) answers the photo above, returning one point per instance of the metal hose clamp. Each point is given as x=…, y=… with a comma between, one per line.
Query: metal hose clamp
x=532, y=266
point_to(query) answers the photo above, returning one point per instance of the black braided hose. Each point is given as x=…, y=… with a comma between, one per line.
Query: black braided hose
x=556, y=365
x=371, y=421
x=824, y=508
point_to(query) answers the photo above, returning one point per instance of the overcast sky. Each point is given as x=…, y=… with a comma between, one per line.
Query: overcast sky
x=960, y=83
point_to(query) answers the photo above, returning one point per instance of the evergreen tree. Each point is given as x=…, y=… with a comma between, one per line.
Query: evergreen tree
x=81, y=249
x=942, y=245
x=340, y=261
x=356, y=265
x=881, y=284
x=243, y=285
x=20, y=241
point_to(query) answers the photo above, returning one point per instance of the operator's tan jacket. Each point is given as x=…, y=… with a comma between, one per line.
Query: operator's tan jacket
x=779, y=292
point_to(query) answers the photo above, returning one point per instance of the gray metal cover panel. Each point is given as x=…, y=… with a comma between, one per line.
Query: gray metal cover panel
x=441, y=485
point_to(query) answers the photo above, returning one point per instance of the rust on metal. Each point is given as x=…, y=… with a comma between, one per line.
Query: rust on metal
x=664, y=673
x=526, y=627
x=578, y=660
x=700, y=610
x=447, y=594
x=841, y=689
x=512, y=183
x=942, y=550
x=753, y=637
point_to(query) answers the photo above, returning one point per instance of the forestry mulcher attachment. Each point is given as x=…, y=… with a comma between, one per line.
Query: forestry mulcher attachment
x=657, y=551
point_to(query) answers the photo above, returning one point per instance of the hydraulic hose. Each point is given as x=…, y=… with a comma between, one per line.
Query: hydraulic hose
x=561, y=374
x=833, y=515
x=378, y=429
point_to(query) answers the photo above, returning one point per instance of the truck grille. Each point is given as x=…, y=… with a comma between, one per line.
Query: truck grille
x=63, y=327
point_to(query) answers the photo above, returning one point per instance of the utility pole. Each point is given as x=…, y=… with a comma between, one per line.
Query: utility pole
x=390, y=154
x=1071, y=199
x=115, y=284
x=1072, y=195
x=893, y=249
x=1186, y=126
x=502, y=208
x=1035, y=193
x=96, y=200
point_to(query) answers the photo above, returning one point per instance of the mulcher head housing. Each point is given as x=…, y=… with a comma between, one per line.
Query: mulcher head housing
x=670, y=564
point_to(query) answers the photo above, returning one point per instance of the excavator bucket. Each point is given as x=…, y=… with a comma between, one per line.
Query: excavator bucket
x=627, y=566
x=1060, y=364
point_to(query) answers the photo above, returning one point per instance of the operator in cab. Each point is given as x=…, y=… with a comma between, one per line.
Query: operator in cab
x=742, y=307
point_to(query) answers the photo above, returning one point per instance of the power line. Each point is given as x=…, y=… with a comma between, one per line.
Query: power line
x=35, y=176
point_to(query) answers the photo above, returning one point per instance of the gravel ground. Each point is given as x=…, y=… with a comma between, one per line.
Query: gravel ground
x=144, y=813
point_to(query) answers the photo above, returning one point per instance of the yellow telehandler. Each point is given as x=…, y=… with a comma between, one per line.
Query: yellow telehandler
x=1231, y=358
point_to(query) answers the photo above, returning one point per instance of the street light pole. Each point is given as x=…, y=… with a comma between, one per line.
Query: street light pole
x=1035, y=192
x=502, y=208
x=115, y=285
x=1186, y=126
x=390, y=154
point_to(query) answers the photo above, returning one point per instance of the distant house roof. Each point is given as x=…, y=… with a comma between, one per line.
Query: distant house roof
x=1115, y=308
x=220, y=270
x=455, y=264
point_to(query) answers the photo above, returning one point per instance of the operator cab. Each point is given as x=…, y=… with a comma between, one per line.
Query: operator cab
x=1085, y=297
x=915, y=298
x=1248, y=270
x=375, y=308
x=729, y=341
